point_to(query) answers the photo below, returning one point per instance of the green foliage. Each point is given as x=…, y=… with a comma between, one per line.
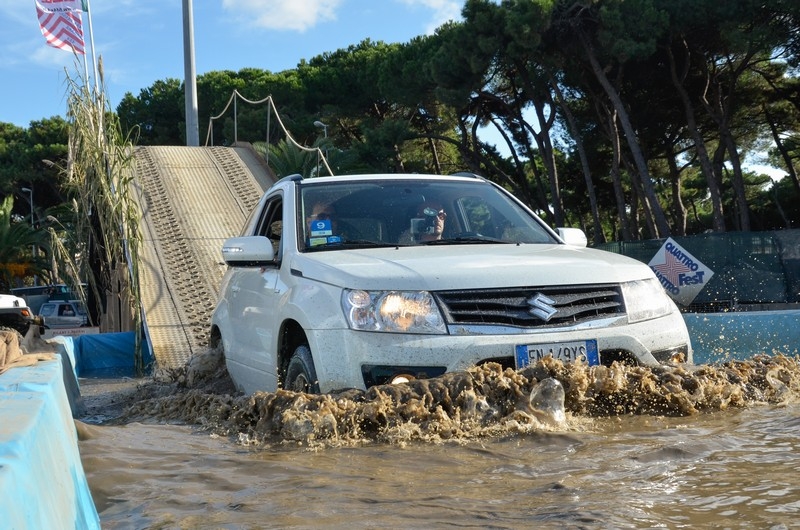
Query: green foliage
x=17, y=241
x=154, y=117
x=653, y=102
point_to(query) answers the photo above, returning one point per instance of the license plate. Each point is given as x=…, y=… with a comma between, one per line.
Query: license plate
x=585, y=350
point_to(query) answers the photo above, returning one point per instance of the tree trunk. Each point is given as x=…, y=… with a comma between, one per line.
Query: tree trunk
x=699, y=143
x=636, y=185
x=737, y=179
x=660, y=221
x=548, y=159
x=720, y=111
x=787, y=159
x=598, y=235
x=619, y=193
x=678, y=209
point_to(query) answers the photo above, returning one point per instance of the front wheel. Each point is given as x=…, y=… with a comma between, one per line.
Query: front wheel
x=300, y=374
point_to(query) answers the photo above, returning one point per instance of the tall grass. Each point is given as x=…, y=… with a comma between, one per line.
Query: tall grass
x=98, y=176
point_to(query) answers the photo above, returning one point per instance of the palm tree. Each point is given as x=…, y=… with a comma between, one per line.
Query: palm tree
x=17, y=240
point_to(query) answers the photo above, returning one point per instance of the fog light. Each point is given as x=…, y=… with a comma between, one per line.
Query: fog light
x=401, y=378
x=678, y=357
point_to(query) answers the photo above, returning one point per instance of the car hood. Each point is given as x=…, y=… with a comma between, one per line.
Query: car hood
x=467, y=267
x=9, y=301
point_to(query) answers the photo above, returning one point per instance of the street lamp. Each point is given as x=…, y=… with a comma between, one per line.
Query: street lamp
x=323, y=126
x=33, y=247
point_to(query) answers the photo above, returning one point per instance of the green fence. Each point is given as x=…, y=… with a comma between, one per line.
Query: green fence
x=752, y=270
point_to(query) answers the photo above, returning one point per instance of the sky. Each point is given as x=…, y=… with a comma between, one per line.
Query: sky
x=141, y=42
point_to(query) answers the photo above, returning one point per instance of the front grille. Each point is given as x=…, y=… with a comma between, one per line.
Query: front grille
x=511, y=307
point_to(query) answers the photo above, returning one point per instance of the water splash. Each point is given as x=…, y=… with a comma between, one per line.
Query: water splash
x=547, y=402
x=484, y=401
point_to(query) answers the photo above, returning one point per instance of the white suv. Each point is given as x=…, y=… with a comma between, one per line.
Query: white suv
x=351, y=281
x=15, y=313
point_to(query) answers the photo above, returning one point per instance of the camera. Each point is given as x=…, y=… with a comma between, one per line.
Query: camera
x=427, y=223
x=430, y=220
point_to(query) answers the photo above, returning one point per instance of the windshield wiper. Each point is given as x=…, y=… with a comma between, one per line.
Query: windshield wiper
x=350, y=244
x=460, y=240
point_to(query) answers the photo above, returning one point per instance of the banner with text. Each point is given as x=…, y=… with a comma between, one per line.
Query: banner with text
x=682, y=275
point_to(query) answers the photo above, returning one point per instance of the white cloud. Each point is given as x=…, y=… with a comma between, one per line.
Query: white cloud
x=443, y=10
x=294, y=15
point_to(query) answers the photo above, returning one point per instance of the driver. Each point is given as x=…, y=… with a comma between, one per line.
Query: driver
x=322, y=224
x=427, y=225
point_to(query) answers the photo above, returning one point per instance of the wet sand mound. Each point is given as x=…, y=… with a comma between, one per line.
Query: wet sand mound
x=481, y=402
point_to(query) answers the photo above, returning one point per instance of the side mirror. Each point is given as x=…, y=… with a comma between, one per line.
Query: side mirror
x=250, y=251
x=572, y=236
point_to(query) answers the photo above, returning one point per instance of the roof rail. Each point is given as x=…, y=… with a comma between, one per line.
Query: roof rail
x=296, y=177
x=467, y=174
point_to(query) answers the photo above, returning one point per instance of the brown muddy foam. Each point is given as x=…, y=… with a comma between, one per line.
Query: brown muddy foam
x=484, y=401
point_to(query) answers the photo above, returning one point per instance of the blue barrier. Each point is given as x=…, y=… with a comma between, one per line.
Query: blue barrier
x=42, y=483
x=720, y=337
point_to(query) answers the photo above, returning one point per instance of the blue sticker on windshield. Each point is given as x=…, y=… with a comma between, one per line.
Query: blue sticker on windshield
x=321, y=227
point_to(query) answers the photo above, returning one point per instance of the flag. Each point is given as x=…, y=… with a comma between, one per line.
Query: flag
x=63, y=5
x=61, y=25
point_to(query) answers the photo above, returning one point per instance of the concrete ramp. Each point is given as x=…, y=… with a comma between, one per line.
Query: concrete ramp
x=191, y=199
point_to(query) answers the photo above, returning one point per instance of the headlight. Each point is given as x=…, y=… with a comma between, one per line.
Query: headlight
x=392, y=311
x=646, y=299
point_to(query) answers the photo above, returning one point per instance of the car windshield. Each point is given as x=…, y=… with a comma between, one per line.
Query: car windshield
x=390, y=212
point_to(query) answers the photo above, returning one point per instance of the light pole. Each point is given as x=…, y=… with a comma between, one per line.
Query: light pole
x=33, y=247
x=323, y=126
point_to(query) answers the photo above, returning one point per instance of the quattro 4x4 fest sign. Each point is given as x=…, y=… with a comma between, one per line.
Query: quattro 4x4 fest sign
x=682, y=275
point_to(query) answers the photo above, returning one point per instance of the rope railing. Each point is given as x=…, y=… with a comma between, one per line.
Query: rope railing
x=233, y=99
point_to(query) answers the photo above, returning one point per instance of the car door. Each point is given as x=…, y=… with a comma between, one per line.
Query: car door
x=48, y=313
x=253, y=298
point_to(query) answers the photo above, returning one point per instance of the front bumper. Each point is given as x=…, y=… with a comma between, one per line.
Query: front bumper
x=344, y=358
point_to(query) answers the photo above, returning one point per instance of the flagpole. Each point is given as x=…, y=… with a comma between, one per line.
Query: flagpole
x=91, y=41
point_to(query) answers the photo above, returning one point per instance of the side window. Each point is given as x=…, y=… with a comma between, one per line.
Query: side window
x=47, y=310
x=271, y=224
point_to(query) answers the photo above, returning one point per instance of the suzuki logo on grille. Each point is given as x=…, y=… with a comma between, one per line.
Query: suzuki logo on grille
x=542, y=307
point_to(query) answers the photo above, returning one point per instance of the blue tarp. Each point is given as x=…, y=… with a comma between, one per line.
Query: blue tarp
x=42, y=482
x=104, y=354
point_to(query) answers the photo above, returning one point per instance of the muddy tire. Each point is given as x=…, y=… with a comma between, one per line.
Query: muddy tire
x=300, y=373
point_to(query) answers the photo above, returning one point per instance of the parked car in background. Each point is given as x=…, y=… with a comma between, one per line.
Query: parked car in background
x=36, y=295
x=63, y=314
x=352, y=281
x=14, y=313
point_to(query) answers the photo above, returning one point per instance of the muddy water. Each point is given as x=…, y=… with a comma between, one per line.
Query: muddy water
x=716, y=447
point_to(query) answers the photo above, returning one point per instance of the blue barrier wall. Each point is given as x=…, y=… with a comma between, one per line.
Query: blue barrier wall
x=720, y=337
x=42, y=483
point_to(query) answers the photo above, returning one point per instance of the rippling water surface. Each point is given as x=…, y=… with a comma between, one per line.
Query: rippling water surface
x=712, y=447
